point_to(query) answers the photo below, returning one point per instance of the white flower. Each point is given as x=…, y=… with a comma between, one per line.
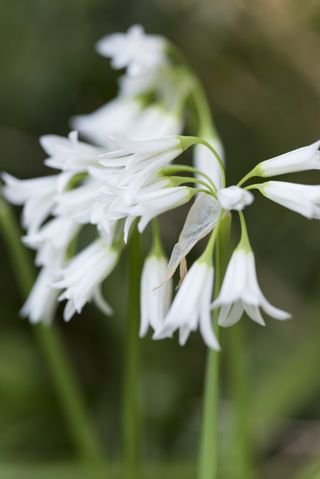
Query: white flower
x=138, y=161
x=205, y=161
x=234, y=198
x=81, y=278
x=302, y=159
x=37, y=195
x=240, y=292
x=69, y=154
x=303, y=199
x=191, y=307
x=52, y=240
x=115, y=117
x=155, y=294
x=42, y=300
x=128, y=117
x=79, y=203
x=135, y=50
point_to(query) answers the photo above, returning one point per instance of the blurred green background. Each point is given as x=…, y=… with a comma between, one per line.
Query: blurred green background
x=259, y=62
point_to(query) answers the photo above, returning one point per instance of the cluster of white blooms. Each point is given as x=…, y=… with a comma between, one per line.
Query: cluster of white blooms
x=127, y=177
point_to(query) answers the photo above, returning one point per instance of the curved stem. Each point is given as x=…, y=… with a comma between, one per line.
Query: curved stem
x=62, y=374
x=180, y=180
x=170, y=169
x=251, y=174
x=208, y=452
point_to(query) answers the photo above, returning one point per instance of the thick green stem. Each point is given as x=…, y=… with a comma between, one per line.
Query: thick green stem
x=131, y=417
x=52, y=348
x=239, y=445
x=208, y=453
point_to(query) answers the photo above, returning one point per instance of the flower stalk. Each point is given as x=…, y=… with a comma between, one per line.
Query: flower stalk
x=208, y=451
x=130, y=406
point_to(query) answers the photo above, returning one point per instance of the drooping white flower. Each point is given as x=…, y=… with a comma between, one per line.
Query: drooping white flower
x=303, y=199
x=240, y=292
x=128, y=117
x=81, y=278
x=134, y=50
x=69, y=154
x=42, y=300
x=52, y=240
x=206, y=162
x=190, y=309
x=302, y=159
x=155, y=295
x=115, y=117
x=234, y=198
x=37, y=195
x=86, y=205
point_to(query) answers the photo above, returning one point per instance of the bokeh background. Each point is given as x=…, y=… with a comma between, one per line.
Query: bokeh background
x=259, y=62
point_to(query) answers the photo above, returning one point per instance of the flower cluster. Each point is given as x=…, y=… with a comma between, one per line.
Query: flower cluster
x=126, y=177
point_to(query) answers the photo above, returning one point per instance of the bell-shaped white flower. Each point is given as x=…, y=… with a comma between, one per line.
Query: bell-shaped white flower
x=86, y=205
x=128, y=117
x=303, y=199
x=234, y=198
x=82, y=277
x=134, y=50
x=206, y=162
x=37, y=195
x=70, y=154
x=190, y=309
x=155, y=295
x=52, y=240
x=41, y=303
x=115, y=117
x=240, y=292
x=302, y=159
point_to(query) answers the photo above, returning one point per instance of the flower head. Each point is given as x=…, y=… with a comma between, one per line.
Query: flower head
x=240, y=292
x=69, y=154
x=134, y=50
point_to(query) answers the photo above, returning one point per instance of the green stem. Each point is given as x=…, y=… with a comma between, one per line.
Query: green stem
x=50, y=342
x=131, y=417
x=208, y=452
x=239, y=445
